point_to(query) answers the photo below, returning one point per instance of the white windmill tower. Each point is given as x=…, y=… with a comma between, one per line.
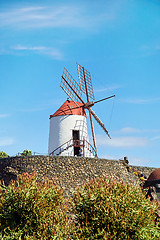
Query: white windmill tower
x=68, y=135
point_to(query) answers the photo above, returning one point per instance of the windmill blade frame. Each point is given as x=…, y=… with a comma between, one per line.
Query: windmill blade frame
x=104, y=99
x=75, y=90
x=99, y=122
x=92, y=128
x=87, y=88
x=85, y=81
x=71, y=87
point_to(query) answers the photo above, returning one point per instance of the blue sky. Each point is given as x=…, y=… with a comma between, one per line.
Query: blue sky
x=117, y=41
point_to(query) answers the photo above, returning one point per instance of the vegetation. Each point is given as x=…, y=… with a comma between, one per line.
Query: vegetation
x=26, y=153
x=3, y=154
x=104, y=209
x=32, y=210
x=108, y=209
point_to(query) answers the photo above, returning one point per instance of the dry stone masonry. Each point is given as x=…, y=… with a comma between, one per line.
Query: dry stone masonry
x=68, y=172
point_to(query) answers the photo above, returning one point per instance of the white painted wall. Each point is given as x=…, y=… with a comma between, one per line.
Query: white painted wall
x=61, y=131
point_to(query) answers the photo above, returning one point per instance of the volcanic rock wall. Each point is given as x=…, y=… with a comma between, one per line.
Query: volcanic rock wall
x=68, y=172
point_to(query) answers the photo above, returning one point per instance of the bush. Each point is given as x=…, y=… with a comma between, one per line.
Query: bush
x=108, y=209
x=26, y=153
x=32, y=210
x=104, y=209
x=3, y=155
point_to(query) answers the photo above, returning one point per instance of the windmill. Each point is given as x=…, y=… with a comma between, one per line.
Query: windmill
x=75, y=90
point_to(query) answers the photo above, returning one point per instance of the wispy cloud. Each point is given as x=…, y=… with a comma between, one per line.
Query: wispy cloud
x=137, y=161
x=140, y=100
x=6, y=141
x=150, y=49
x=109, y=88
x=137, y=130
x=42, y=106
x=42, y=16
x=122, y=142
x=133, y=160
x=43, y=50
x=110, y=157
x=155, y=138
x=75, y=15
x=4, y=115
x=129, y=130
x=38, y=16
x=32, y=110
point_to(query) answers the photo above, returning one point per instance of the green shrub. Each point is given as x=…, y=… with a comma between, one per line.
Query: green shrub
x=108, y=209
x=32, y=210
x=26, y=153
x=104, y=209
x=3, y=154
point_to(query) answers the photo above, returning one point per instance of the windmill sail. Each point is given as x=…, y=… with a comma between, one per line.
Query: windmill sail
x=99, y=122
x=92, y=128
x=85, y=81
x=74, y=90
x=71, y=87
x=87, y=88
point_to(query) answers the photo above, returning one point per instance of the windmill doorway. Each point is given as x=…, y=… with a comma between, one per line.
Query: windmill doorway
x=76, y=142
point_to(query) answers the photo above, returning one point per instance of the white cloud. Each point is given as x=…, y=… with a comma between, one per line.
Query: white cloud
x=157, y=47
x=41, y=106
x=4, y=115
x=133, y=160
x=122, y=142
x=129, y=130
x=55, y=53
x=109, y=88
x=155, y=138
x=41, y=16
x=136, y=161
x=141, y=100
x=136, y=130
x=19, y=47
x=6, y=141
x=150, y=49
x=70, y=15
x=110, y=157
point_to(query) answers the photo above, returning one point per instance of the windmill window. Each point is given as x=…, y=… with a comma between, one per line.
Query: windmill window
x=76, y=142
x=75, y=134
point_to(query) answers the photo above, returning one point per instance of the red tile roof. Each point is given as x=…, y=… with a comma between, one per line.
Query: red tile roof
x=70, y=108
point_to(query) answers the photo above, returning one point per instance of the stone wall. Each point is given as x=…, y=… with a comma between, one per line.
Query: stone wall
x=68, y=172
